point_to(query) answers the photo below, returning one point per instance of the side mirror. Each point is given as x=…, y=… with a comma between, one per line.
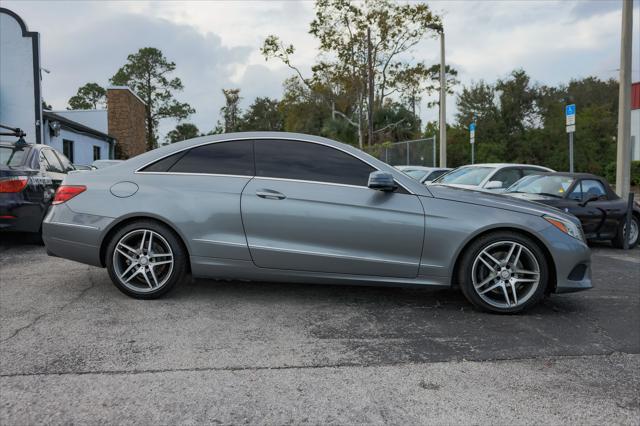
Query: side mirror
x=382, y=181
x=589, y=199
x=493, y=184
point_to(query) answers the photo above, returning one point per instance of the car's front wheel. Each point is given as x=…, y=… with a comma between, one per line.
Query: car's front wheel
x=145, y=259
x=504, y=272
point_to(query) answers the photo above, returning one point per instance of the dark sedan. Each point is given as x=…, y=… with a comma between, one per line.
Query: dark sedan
x=586, y=196
x=29, y=177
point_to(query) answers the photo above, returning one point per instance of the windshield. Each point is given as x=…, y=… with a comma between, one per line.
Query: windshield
x=12, y=156
x=416, y=174
x=543, y=184
x=465, y=176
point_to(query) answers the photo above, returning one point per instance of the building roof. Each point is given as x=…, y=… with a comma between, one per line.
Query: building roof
x=635, y=95
x=51, y=116
x=129, y=89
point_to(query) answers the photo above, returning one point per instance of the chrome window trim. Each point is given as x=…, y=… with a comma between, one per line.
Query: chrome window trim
x=311, y=181
x=196, y=174
x=334, y=255
x=139, y=169
x=226, y=243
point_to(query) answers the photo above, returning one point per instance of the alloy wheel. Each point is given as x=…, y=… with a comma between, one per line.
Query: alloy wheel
x=505, y=274
x=143, y=260
x=633, y=237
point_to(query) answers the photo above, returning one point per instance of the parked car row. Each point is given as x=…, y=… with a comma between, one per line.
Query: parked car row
x=29, y=177
x=590, y=198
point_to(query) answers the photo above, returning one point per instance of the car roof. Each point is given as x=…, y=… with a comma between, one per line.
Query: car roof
x=575, y=175
x=504, y=165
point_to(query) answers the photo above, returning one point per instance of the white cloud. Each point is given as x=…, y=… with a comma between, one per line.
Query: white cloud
x=216, y=44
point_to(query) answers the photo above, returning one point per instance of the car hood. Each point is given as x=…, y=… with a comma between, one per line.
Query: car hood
x=500, y=201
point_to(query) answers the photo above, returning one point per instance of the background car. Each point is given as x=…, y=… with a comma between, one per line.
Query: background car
x=491, y=177
x=101, y=164
x=284, y=207
x=83, y=167
x=423, y=174
x=29, y=176
x=588, y=197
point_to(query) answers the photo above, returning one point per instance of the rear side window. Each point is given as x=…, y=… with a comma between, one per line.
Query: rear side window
x=52, y=163
x=309, y=161
x=507, y=176
x=225, y=158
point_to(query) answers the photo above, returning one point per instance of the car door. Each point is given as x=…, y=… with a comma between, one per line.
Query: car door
x=591, y=215
x=613, y=209
x=309, y=209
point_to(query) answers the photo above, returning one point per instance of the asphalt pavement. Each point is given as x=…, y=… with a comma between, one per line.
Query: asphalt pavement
x=76, y=350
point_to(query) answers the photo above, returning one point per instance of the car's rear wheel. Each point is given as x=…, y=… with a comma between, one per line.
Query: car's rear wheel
x=145, y=259
x=618, y=241
x=504, y=272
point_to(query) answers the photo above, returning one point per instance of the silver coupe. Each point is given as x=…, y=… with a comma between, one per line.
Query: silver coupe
x=292, y=207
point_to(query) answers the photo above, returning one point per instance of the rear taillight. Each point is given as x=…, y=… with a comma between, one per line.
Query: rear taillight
x=13, y=184
x=66, y=192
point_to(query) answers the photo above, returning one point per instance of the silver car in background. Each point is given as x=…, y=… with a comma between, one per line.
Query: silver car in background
x=423, y=174
x=291, y=207
x=492, y=177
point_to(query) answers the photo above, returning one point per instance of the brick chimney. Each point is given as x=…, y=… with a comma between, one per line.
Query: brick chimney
x=126, y=121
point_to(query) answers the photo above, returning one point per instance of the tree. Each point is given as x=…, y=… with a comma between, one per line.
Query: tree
x=147, y=73
x=182, y=132
x=46, y=106
x=89, y=96
x=263, y=114
x=364, y=55
x=231, y=110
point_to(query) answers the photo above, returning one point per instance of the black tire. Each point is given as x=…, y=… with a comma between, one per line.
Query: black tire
x=179, y=268
x=618, y=241
x=533, y=296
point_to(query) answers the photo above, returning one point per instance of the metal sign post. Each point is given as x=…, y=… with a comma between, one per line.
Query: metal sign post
x=472, y=141
x=570, y=114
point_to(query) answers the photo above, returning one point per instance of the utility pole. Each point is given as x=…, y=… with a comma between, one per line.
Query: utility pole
x=443, y=104
x=370, y=86
x=623, y=158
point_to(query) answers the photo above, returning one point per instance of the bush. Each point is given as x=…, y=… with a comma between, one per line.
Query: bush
x=610, y=173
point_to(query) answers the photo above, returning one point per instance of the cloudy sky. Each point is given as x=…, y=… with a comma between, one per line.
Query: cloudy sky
x=216, y=44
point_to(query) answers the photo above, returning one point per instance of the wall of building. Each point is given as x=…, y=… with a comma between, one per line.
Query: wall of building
x=94, y=118
x=82, y=145
x=126, y=118
x=635, y=135
x=20, y=101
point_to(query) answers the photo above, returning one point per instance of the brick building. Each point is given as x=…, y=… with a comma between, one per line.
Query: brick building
x=126, y=121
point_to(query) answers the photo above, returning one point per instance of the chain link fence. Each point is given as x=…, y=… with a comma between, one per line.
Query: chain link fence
x=418, y=152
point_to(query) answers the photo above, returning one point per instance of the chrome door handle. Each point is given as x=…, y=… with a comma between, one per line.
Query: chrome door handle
x=270, y=195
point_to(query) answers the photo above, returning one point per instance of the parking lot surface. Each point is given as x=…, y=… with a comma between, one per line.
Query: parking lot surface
x=76, y=350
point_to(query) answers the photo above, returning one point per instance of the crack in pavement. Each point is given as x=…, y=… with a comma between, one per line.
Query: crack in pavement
x=303, y=367
x=84, y=291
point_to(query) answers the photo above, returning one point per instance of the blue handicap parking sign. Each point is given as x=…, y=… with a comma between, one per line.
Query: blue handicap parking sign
x=570, y=110
x=472, y=127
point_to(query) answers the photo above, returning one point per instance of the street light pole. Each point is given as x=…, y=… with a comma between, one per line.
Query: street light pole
x=443, y=104
x=623, y=157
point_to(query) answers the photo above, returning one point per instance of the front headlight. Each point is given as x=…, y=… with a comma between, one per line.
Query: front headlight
x=566, y=226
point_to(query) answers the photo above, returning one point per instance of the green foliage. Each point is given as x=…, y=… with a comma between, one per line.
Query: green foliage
x=182, y=132
x=147, y=72
x=231, y=110
x=610, y=173
x=263, y=115
x=366, y=55
x=89, y=96
x=520, y=121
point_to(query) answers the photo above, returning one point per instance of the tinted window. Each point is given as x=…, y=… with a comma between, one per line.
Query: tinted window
x=436, y=174
x=67, y=148
x=466, y=175
x=226, y=158
x=66, y=164
x=51, y=161
x=309, y=161
x=528, y=172
x=507, y=176
x=165, y=164
x=588, y=188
